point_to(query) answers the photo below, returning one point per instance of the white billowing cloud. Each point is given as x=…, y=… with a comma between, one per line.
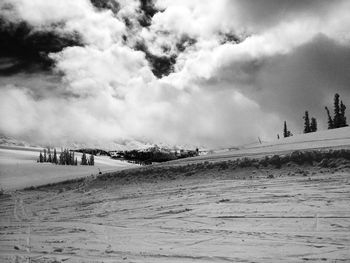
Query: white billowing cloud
x=193, y=18
x=293, y=56
x=53, y=119
x=102, y=119
x=89, y=70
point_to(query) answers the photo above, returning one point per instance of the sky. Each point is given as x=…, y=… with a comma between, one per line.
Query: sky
x=202, y=73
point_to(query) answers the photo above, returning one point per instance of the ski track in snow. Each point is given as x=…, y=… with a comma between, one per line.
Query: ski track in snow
x=286, y=219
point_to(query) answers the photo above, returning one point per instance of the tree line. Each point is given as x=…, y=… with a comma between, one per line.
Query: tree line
x=338, y=120
x=154, y=154
x=66, y=157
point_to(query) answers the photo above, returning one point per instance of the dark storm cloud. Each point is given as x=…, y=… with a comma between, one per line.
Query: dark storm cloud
x=160, y=65
x=148, y=10
x=288, y=84
x=229, y=38
x=305, y=79
x=185, y=42
x=107, y=5
x=25, y=49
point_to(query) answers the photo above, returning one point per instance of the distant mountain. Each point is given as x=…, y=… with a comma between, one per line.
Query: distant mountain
x=121, y=145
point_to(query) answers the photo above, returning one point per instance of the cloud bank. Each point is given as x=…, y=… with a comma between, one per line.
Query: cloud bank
x=202, y=73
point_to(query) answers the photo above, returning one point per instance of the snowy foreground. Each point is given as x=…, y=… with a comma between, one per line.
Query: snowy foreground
x=198, y=210
x=285, y=219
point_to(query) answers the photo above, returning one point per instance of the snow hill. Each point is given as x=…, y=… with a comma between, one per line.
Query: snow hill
x=336, y=138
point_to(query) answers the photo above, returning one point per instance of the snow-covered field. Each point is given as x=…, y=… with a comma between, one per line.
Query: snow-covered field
x=297, y=213
x=19, y=169
x=286, y=219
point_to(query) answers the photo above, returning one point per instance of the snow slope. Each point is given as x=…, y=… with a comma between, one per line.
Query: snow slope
x=336, y=138
x=19, y=169
x=326, y=138
x=285, y=219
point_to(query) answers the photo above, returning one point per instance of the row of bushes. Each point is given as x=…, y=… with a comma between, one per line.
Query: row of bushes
x=308, y=157
x=320, y=158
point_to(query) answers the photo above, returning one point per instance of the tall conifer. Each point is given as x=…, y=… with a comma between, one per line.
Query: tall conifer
x=343, y=121
x=330, y=120
x=306, y=122
x=337, y=116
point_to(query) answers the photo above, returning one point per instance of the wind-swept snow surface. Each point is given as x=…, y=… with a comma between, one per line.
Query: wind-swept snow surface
x=286, y=219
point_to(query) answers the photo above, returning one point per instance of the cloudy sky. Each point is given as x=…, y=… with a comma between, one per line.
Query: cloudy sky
x=199, y=72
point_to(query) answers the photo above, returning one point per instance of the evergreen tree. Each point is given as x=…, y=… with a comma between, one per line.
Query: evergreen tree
x=64, y=157
x=92, y=160
x=330, y=120
x=41, y=157
x=286, y=133
x=45, y=157
x=83, y=159
x=285, y=130
x=61, y=157
x=337, y=116
x=67, y=157
x=49, y=154
x=342, y=115
x=73, y=159
x=306, y=122
x=54, y=159
x=313, y=125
